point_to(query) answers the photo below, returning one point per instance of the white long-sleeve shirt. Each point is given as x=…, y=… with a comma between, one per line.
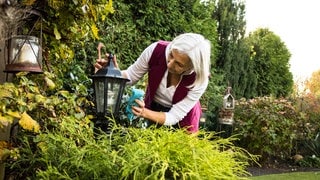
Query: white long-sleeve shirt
x=165, y=94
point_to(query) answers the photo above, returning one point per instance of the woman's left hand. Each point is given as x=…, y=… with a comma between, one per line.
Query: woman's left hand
x=139, y=110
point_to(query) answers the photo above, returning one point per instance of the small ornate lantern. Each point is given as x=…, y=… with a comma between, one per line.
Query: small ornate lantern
x=108, y=89
x=25, y=49
x=228, y=100
x=226, y=113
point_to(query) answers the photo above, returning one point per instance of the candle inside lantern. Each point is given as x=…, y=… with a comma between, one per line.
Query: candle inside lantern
x=25, y=50
x=27, y=54
x=111, y=100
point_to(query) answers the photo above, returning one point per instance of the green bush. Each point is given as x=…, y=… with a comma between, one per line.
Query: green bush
x=74, y=151
x=310, y=161
x=312, y=157
x=268, y=127
x=32, y=110
x=67, y=147
x=166, y=154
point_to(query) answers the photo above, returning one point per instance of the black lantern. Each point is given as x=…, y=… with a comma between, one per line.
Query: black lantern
x=108, y=85
x=25, y=49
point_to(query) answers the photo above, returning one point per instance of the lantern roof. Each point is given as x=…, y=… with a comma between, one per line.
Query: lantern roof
x=109, y=71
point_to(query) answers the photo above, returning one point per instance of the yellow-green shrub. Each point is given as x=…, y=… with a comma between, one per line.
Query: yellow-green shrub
x=73, y=152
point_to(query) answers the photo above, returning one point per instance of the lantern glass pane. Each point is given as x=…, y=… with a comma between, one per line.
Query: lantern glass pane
x=25, y=49
x=112, y=93
x=99, y=93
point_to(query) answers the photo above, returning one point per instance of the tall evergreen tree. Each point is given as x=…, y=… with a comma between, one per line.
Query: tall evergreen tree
x=271, y=64
x=234, y=55
x=245, y=76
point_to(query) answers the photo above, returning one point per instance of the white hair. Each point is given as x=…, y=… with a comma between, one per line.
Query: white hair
x=198, y=50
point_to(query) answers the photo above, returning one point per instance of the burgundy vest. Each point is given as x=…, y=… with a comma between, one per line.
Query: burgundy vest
x=157, y=69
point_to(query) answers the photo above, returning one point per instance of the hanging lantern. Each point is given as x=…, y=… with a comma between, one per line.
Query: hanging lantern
x=24, y=54
x=25, y=50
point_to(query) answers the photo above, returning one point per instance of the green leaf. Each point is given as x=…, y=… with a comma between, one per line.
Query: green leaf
x=56, y=33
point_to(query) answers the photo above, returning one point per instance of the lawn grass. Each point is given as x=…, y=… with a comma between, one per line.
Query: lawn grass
x=289, y=176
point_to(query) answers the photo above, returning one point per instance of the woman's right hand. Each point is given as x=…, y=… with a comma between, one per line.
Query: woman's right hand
x=100, y=62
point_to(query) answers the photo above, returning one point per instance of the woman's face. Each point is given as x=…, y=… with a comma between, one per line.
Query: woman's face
x=178, y=63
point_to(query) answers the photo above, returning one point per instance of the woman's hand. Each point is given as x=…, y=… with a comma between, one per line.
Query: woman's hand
x=100, y=62
x=139, y=111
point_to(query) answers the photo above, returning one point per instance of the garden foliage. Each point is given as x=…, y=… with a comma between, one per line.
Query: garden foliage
x=272, y=128
x=74, y=151
x=29, y=110
x=270, y=61
x=56, y=139
x=308, y=104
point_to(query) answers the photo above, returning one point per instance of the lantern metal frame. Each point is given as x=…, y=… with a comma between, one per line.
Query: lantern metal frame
x=24, y=50
x=105, y=81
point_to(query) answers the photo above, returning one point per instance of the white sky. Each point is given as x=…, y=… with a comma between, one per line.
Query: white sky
x=297, y=23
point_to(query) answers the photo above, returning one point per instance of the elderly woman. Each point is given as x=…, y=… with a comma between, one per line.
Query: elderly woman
x=178, y=73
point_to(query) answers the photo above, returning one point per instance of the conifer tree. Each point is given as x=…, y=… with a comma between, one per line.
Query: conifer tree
x=271, y=64
x=233, y=58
